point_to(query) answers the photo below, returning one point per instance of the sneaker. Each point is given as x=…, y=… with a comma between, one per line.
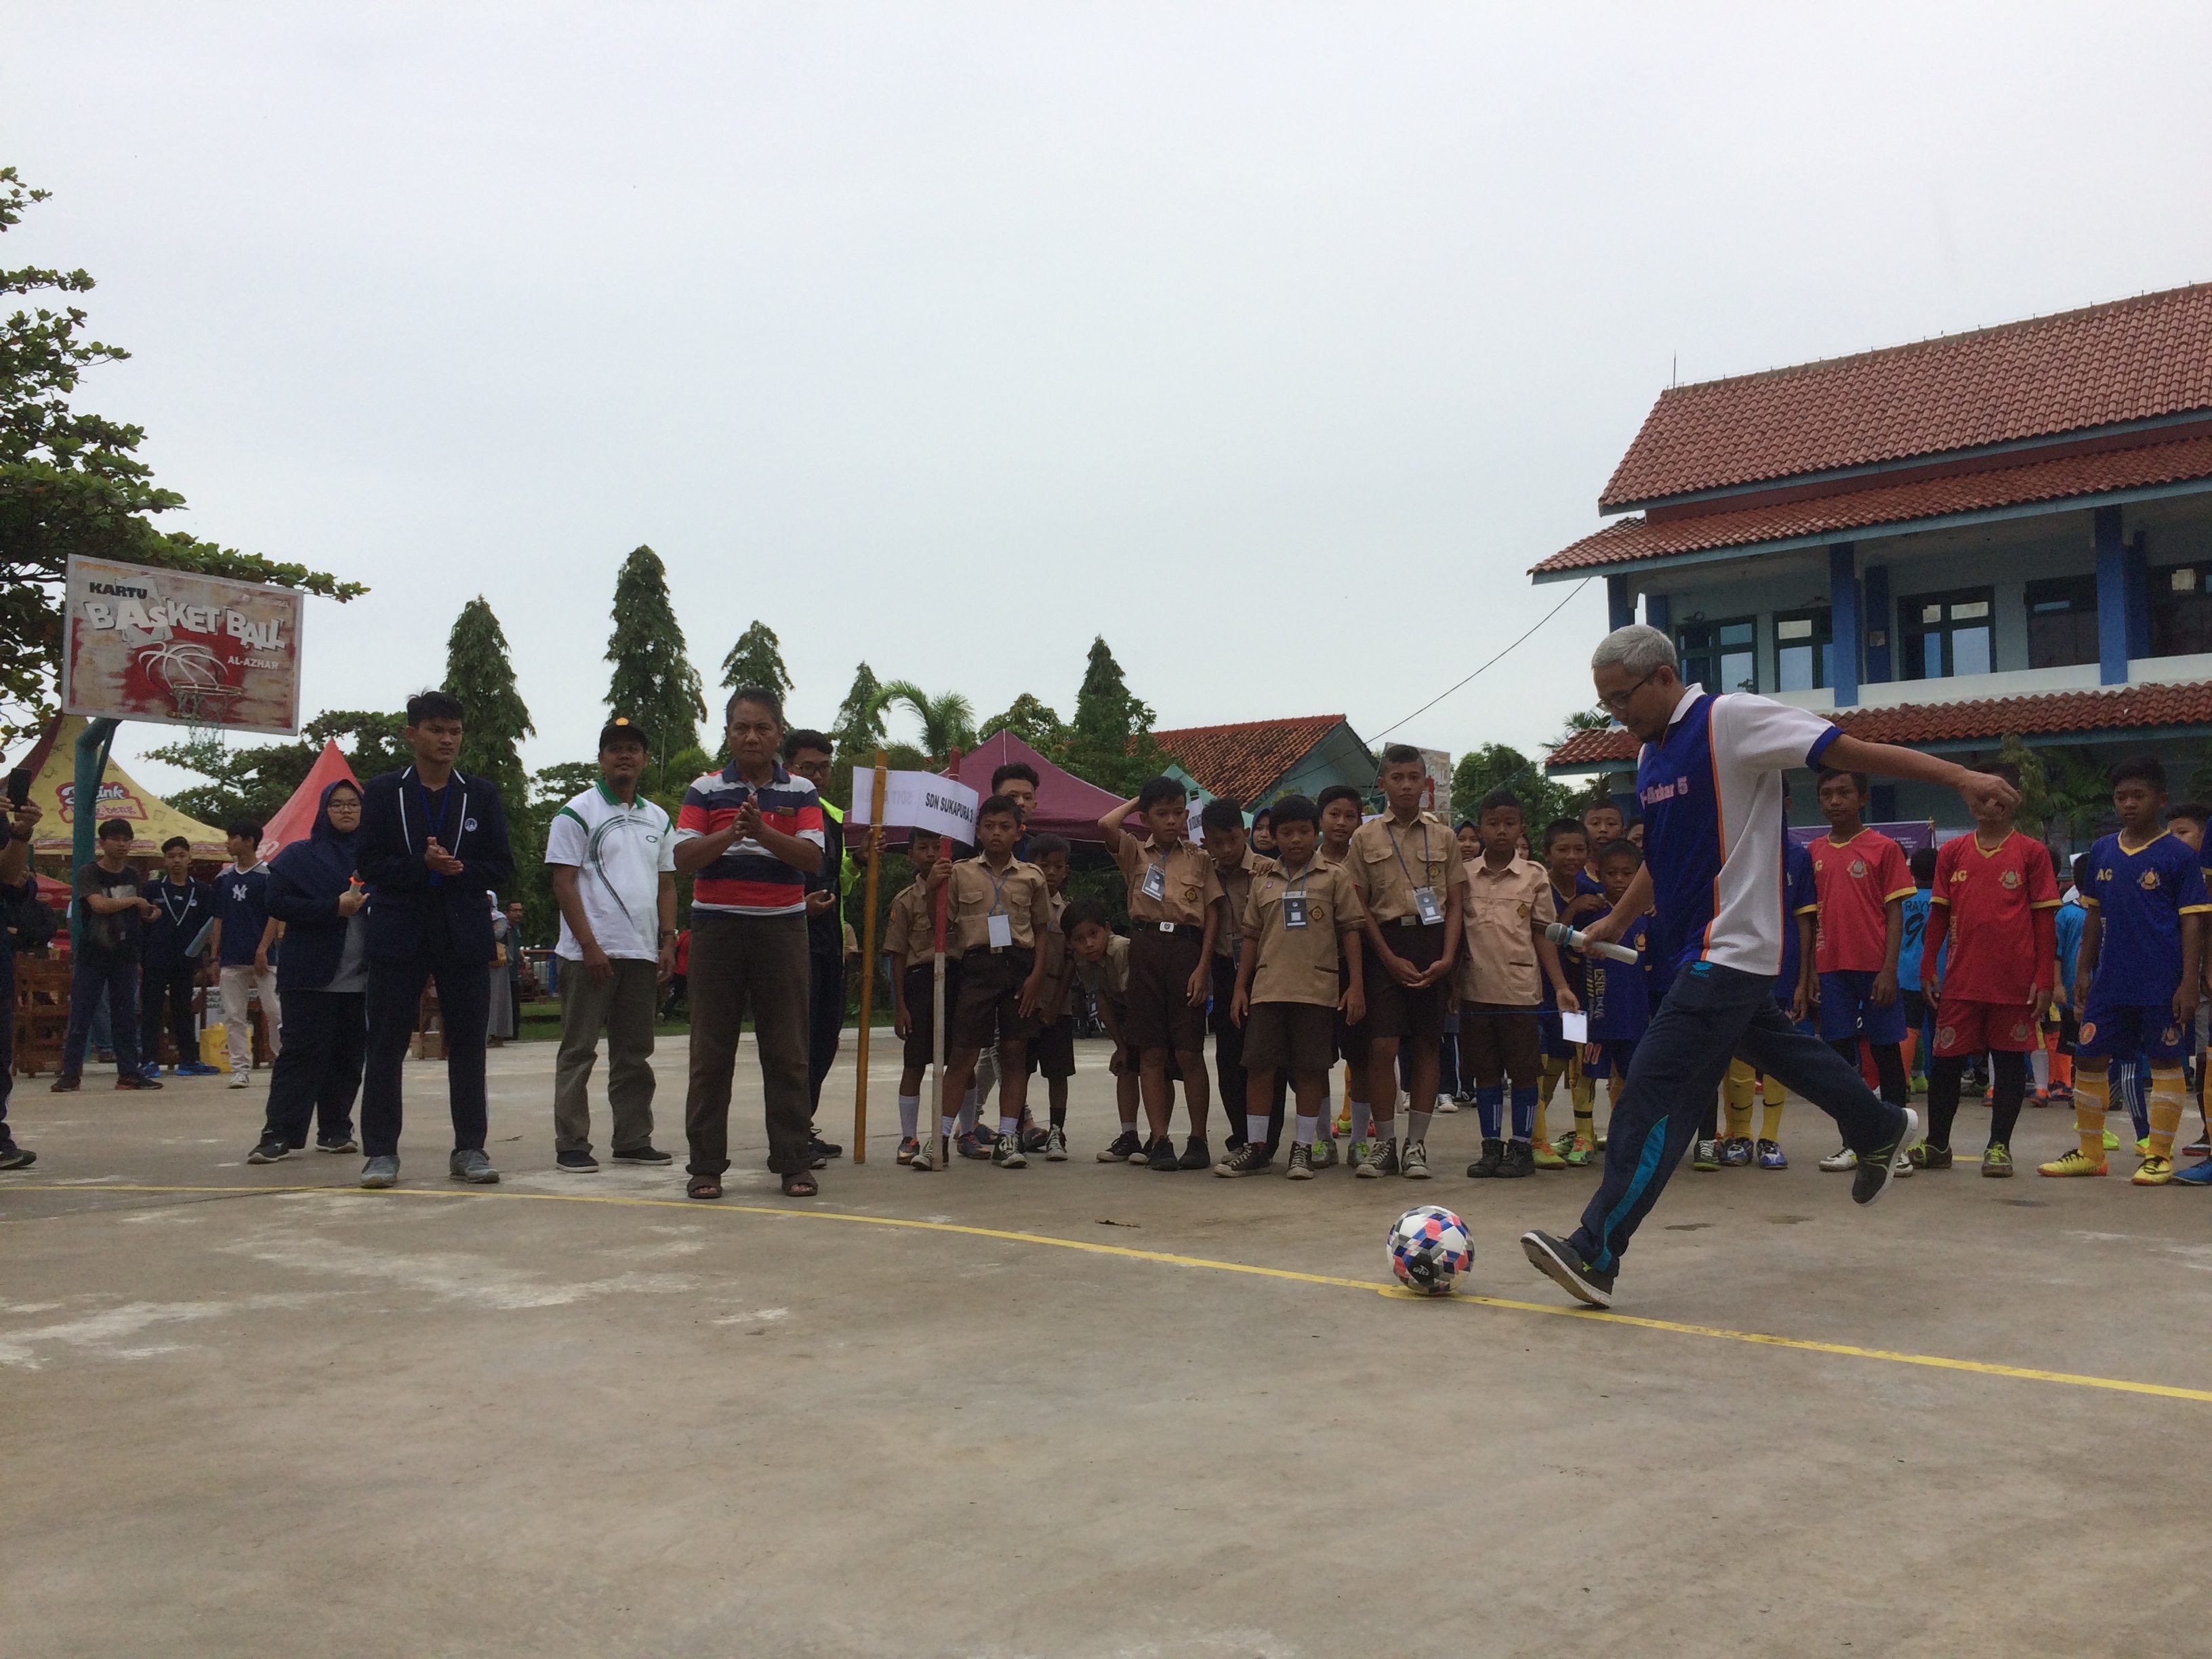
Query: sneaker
x=2061, y=1094
x=1577, y=1151
x=1447, y=1103
x=2197, y=1148
x=17, y=1157
x=470, y=1165
x=1843, y=1158
x=1008, y=1154
x=1195, y=1155
x=269, y=1152
x=1413, y=1161
x=1878, y=1168
x=239, y=1080
x=381, y=1172
x=342, y=1144
x=2142, y=1147
x=1768, y=1156
x=137, y=1080
x=974, y=1143
x=1561, y=1262
x=1301, y=1165
x=1355, y=1154
x=2196, y=1175
x=1056, y=1144
x=1161, y=1157
x=1324, y=1153
x=2111, y=1141
x=1915, y=1084
x=1599, y=1140
x=927, y=1153
x=1126, y=1149
x=907, y=1147
x=1546, y=1156
x=1707, y=1157
x=575, y=1163
x=2074, y=1163
x=1381, y=1160
x=1247, y=1159
x=822, y=1150
x=1486, y=1166
x=1735, y=1152
x=1996, y=1162
x=197, y=1068
x=1034, y=1139
x=1926, y=1156
x=152, y=1069
x=1518, y=1161
x=647, y=1153
x=2040, y=1098
x=2153, y=1171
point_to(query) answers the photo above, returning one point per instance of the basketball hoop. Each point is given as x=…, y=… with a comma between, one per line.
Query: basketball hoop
x=192, y=675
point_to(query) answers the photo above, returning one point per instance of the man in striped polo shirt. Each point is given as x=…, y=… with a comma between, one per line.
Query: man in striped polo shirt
x=750, y=834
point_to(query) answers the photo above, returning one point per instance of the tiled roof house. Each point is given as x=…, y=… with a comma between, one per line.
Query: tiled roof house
x=2004, y=531
x=1255, y=761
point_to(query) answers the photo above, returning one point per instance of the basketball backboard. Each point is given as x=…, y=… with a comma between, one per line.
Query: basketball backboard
x=180, y=649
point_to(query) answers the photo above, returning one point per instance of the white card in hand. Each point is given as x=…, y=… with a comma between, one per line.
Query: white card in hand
x=1574, y=1028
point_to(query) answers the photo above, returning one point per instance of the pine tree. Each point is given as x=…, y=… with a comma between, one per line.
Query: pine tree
x=653, y=682
x=494, y=721
x=860, y=729
x=756, y=659
x=1109, y=740
x=1034, y=721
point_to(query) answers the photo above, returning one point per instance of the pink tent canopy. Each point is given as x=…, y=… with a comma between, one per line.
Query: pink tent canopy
x=1065, y=805
x=297, y=815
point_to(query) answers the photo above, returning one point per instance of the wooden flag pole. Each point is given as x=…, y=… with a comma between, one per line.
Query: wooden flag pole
x=937, y=995
x=868, y=964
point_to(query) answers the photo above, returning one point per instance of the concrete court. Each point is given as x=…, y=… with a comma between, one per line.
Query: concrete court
x=261, y=1421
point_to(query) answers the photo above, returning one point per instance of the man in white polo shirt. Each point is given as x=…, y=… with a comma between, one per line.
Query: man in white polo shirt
x=613, y=857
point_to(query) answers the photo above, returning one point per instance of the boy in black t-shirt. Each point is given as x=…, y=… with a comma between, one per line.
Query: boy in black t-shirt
x=113, y=911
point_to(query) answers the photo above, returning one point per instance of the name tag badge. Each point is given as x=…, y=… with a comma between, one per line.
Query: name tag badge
x=1425, y=901
x=1294, y=909
x=999, y=929
x=1154, y=885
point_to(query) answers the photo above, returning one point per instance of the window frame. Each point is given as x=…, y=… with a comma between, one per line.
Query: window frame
x=1912, y=629
x=1822, y=644
x=2169, y=605
x=2045, y=591
x=1714, y=652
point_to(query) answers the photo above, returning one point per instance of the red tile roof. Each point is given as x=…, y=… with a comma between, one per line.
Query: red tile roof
x=1822, y=515
x=1241, y=760
x=2129, y=360
x=2119, y=709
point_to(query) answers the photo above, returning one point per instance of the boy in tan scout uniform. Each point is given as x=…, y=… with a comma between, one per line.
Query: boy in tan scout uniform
x=1341, y=809
x=1234, y=862
x=1407, y=866
x=1052, y=1055
x=1002, y=909
x=1172, y=922
x=1506, y=905
x=1300, y=912
x=910, y=941
x=1092, y=941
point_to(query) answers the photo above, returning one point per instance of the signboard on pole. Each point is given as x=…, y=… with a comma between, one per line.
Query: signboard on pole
x=922, y=800
x=180, y=649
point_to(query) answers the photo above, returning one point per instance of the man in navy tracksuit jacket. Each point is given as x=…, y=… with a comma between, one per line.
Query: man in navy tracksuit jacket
x=434, y=848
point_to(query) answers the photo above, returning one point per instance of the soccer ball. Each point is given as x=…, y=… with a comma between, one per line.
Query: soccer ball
x=1428, y=1250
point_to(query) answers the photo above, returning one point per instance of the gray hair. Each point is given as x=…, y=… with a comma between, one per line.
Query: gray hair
x=1639, y=649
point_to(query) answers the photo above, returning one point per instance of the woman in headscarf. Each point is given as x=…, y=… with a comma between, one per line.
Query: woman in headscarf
x=322, y=983
x=505, y=940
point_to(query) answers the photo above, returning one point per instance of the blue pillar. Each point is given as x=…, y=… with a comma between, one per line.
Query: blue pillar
x=2111, y=599
x=2138, y=568
x=1620, y=603
x=1878, y=625
x=1843, y=620
x=1654, y=612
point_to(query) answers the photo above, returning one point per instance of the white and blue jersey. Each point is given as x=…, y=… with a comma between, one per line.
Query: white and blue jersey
x=1710, y=792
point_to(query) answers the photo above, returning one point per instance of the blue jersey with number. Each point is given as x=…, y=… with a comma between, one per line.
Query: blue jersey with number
x=2141, y=897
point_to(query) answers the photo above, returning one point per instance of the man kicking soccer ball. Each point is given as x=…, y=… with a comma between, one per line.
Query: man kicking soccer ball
x=1709, y=782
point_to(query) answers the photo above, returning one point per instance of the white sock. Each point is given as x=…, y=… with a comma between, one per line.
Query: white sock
x=1362, y=1120
x=1008, y=1125
x=1255, y=1128
x=2038, y=1066
x=948, y=1128
x=1417, y=1127
x=1304, y=1133
x=909, y=1115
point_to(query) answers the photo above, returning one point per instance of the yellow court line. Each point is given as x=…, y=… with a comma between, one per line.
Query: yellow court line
x=1938, y=1362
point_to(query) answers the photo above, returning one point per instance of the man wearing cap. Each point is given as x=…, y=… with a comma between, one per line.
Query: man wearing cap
x=613, y=858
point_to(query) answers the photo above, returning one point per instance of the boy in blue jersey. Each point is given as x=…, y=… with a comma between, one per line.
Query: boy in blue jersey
x=2072, y=913
x=1576, y=899
x=1618, y=997
x=1793, y=992
x=2136, y=980
x=1917, y=1010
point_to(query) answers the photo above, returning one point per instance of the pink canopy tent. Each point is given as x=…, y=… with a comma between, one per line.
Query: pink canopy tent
x=1065, y=805
x=297, y=815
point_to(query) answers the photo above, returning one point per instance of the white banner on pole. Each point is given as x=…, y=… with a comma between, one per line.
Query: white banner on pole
x=921, y=800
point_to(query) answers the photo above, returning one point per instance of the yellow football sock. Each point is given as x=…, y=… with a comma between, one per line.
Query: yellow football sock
x=1775, y=1096
x=2169, y=1093
x=1735, y=1094
x=1584, y=1095
x=2092, y=1097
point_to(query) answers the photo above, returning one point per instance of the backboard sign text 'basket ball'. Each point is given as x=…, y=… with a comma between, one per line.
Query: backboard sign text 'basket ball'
x=180, y=649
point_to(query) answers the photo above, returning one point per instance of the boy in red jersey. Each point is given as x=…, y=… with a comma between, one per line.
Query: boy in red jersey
x=1994, y=898
x=1863, y=882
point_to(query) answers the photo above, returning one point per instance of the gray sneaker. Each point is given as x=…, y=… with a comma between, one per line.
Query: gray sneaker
x=471, y=1165
x=381, y=1172
x=1413, y=1161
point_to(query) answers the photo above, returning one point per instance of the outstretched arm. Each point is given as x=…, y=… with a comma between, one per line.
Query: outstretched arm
x=1888, y=760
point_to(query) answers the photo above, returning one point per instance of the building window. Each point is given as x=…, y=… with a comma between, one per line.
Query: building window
x=1804, y=650
x=2062, y=622
x=1947, y=634
x=2181, y=610
x=1720, y=656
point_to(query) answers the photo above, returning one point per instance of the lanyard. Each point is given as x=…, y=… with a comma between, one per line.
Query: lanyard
x=1391, y=830
x=1304, y=875
x=998, y=889
x=176, y=918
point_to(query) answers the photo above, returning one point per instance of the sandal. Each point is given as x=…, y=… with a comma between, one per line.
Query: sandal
x=800, y=1185
x=703, y=1187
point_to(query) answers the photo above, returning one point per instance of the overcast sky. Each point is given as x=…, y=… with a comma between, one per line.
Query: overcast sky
x=1273, y=341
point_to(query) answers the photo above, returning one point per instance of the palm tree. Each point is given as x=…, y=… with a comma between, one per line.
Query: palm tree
x=948, y=719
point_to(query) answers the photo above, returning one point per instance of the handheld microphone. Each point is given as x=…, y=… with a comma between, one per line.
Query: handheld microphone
x=1575, y=939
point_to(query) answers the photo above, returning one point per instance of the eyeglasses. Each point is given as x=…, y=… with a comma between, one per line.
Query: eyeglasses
x=1618, y=701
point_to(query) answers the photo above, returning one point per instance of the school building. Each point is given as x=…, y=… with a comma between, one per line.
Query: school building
x=2004, y=531
x=1253, y=761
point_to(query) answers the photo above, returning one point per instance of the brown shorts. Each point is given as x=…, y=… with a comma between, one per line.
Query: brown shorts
x=1296, y=1036
x=1396, y=1010
x=1160, y=1014
x=1053, y=1054
x=920, y=988
x=1497, y=1042
x=990, y=1003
